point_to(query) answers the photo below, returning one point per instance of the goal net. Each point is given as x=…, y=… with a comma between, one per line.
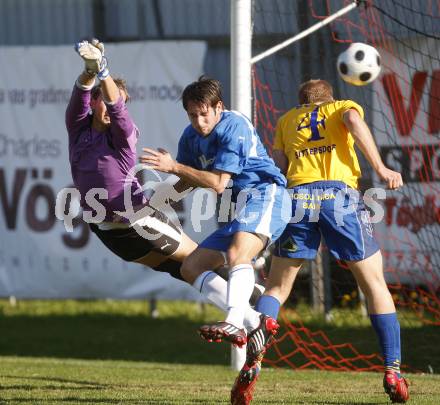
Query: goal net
x=325, y=323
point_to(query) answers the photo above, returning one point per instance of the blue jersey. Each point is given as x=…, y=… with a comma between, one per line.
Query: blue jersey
x=233, y=146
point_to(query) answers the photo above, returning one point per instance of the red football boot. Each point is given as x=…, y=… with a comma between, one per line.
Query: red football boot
x=258, y=341
x=223, y=331
x=260, y=338
x=395, y=387
x=243, y=389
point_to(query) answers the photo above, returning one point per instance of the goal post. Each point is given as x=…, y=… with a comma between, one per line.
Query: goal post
x=241, y=54
x=241, y=91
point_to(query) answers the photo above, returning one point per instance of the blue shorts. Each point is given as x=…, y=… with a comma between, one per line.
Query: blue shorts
x=333, y=210
x=265, y=212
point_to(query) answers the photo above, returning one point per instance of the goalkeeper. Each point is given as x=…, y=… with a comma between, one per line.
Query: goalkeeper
x=314, y=147
x=102, y=153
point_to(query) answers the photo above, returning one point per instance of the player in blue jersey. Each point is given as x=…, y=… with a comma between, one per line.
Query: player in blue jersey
x=221, y=150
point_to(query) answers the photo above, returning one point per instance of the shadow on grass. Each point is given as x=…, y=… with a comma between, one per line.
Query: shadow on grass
x=85, y=401
x=175, y=340
x=115, y=337
x=84, y=384
x=348, y=403
x=70, y=386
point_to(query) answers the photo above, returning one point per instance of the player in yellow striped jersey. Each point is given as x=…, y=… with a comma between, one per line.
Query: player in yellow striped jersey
x=314, y=148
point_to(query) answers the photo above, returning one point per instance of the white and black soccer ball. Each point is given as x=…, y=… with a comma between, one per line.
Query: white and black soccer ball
x=359, y=64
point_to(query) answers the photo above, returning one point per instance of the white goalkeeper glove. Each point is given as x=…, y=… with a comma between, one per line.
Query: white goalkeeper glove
x=93, y=56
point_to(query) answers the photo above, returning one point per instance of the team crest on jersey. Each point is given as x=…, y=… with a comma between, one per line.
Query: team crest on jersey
x=205, y=162
x=289, y=245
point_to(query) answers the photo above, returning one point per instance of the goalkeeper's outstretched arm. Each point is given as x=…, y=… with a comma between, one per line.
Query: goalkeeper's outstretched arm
x=77, y=111
x=95, y=64
x=86, y=80
x=110, y=91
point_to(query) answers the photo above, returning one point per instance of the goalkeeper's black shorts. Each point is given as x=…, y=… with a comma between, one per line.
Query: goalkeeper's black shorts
x=160, y=236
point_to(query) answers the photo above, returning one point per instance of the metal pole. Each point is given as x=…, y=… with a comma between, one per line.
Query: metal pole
x=241, y=53
x=241, y=90
x=317, y=280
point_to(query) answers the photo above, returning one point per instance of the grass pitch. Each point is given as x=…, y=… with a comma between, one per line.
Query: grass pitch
x=68, y=381
x=113, y=352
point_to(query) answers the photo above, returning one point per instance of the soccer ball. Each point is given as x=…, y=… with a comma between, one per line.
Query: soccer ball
x=359, y=64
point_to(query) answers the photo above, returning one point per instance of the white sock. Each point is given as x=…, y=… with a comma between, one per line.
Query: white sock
x=240, y=286
x=251, y=319
x=214, y=288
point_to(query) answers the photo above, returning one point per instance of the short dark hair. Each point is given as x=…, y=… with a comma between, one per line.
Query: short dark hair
x=315, y=91
x=120, y=83
x=204, y=91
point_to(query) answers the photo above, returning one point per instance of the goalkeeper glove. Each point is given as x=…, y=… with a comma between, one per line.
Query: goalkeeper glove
x=93, y=56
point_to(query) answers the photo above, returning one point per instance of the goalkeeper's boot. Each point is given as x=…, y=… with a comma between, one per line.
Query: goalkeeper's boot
x=396, y=387
x=223, y=331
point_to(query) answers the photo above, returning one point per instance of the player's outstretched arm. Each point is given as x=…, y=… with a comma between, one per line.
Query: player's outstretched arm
x=365, y=141
x=78, y=108
x=278, y=154
x=110, y=92
x=86, y=80
x=216, y=179
x=122, y=125
x=161, y=160
x=77, y=111
x=281, y=160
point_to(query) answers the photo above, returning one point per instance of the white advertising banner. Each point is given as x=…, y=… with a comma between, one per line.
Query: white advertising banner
x=406, y=122
x=38, y=257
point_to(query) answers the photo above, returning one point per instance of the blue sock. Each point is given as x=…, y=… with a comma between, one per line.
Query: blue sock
x=387, y=328
x=268, y=305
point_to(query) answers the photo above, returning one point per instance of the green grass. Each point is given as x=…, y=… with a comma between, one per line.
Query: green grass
x=67, y=381
x=107, y=352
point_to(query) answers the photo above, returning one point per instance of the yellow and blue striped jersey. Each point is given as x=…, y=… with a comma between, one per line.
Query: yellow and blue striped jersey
x=317, y=143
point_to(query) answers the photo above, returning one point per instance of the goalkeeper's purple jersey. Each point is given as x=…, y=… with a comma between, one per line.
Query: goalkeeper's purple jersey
x=102, y=159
